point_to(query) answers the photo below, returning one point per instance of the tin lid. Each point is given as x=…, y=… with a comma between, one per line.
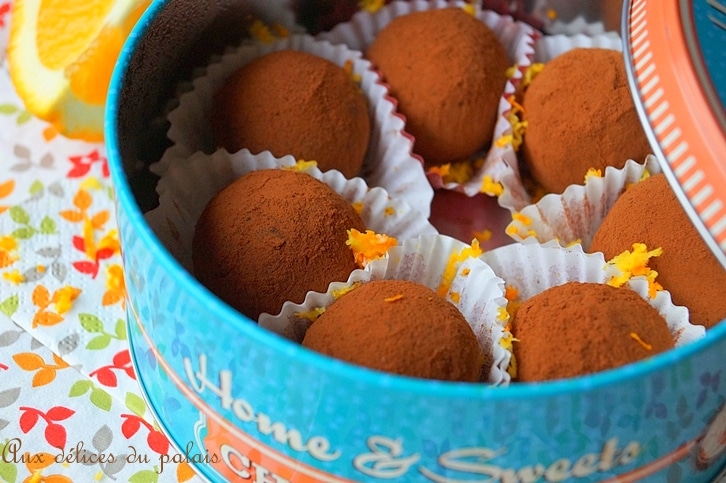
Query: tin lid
x=676, y=60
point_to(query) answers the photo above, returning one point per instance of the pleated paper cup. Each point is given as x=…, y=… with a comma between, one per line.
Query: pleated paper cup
x=388, y=162
x=430, y=260
x=574, y=216
x=186, y=188
x=516, y=37
x=533, y=268
x=503, y=163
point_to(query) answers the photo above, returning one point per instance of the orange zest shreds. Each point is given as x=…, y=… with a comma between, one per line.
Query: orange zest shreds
x=516, y=106
x=301, y=165
x=348, y=68
x=521, y=218
x=455, y=297
x=261, y=32
x=358, y=207
x=371, y=6
x=469, y=8
x=551, y=13
x=389, y=211
x=466, y=272
x=280, y=30
x=504, y=140
x=507, y=339
x=511, y=71
x=40, y=268
x=593, y=173
x=491, y=187
x=459, y=172
x=502, y=314
x=342, y=291
x=442, y=170
x=511, y=230
x=636, y=338
x=64, y=298
x=311, y=314
x=455, y=259
x=511, y=293
x=8, y=243
x=483, y=236
x=393, y=298
x=368, y=246
x=643, y=177
x=635, y=263
x=507, y=343
x=514, y=116
x=14, y=277
x=531, y=72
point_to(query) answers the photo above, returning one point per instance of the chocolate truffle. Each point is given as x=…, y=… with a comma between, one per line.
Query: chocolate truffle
x=580, y=115
x=649, y=212
x=447, y=70
x=272, y=236
x=296, y=103
x=581, y=328
x=401, y=327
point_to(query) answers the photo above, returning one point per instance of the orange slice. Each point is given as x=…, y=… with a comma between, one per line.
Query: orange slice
x=61, y=55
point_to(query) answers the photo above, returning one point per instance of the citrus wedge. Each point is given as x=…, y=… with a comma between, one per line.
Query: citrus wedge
x=61, y=55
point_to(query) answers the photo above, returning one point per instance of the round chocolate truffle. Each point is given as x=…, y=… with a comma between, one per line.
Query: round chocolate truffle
x=272, y=236
x=649, y=212
x=447, y=70
x=581, y=328
x=292, y=102
x=401, y=327
x=580, y=115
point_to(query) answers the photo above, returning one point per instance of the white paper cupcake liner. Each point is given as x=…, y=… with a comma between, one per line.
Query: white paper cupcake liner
x=516, y=37
x=575, y=215
x=388, y=163
x=533, y=268
x=479, y=294
x=186, y=188
x=502, y=163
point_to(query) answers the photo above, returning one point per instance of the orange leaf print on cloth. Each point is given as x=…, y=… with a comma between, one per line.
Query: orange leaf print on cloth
x=8, y=251
x=94, y=249
x=115, y=286
x=29, y=361
x=62, y=300
x=6, y=189
x=38, y=462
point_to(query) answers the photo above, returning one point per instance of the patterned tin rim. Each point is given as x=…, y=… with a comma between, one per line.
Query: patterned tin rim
x=127, y=203
x=681, y=113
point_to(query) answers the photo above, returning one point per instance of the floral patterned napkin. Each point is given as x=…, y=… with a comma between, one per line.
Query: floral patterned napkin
x=70, y=405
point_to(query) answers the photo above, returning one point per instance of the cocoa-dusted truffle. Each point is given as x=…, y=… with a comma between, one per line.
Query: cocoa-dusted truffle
x=581, y=328
x=272, y=236
x=296, y=103
x=447, y=70
x=580, y=115
x=401, y=327
x=649, y=212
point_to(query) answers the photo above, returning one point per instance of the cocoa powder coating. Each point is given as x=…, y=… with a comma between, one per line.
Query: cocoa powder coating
x=649, y=212
x=582, y=328
x=580, y=115
x=447, y=70
x=401, y=327
x=272, y=236
x=296, y=103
